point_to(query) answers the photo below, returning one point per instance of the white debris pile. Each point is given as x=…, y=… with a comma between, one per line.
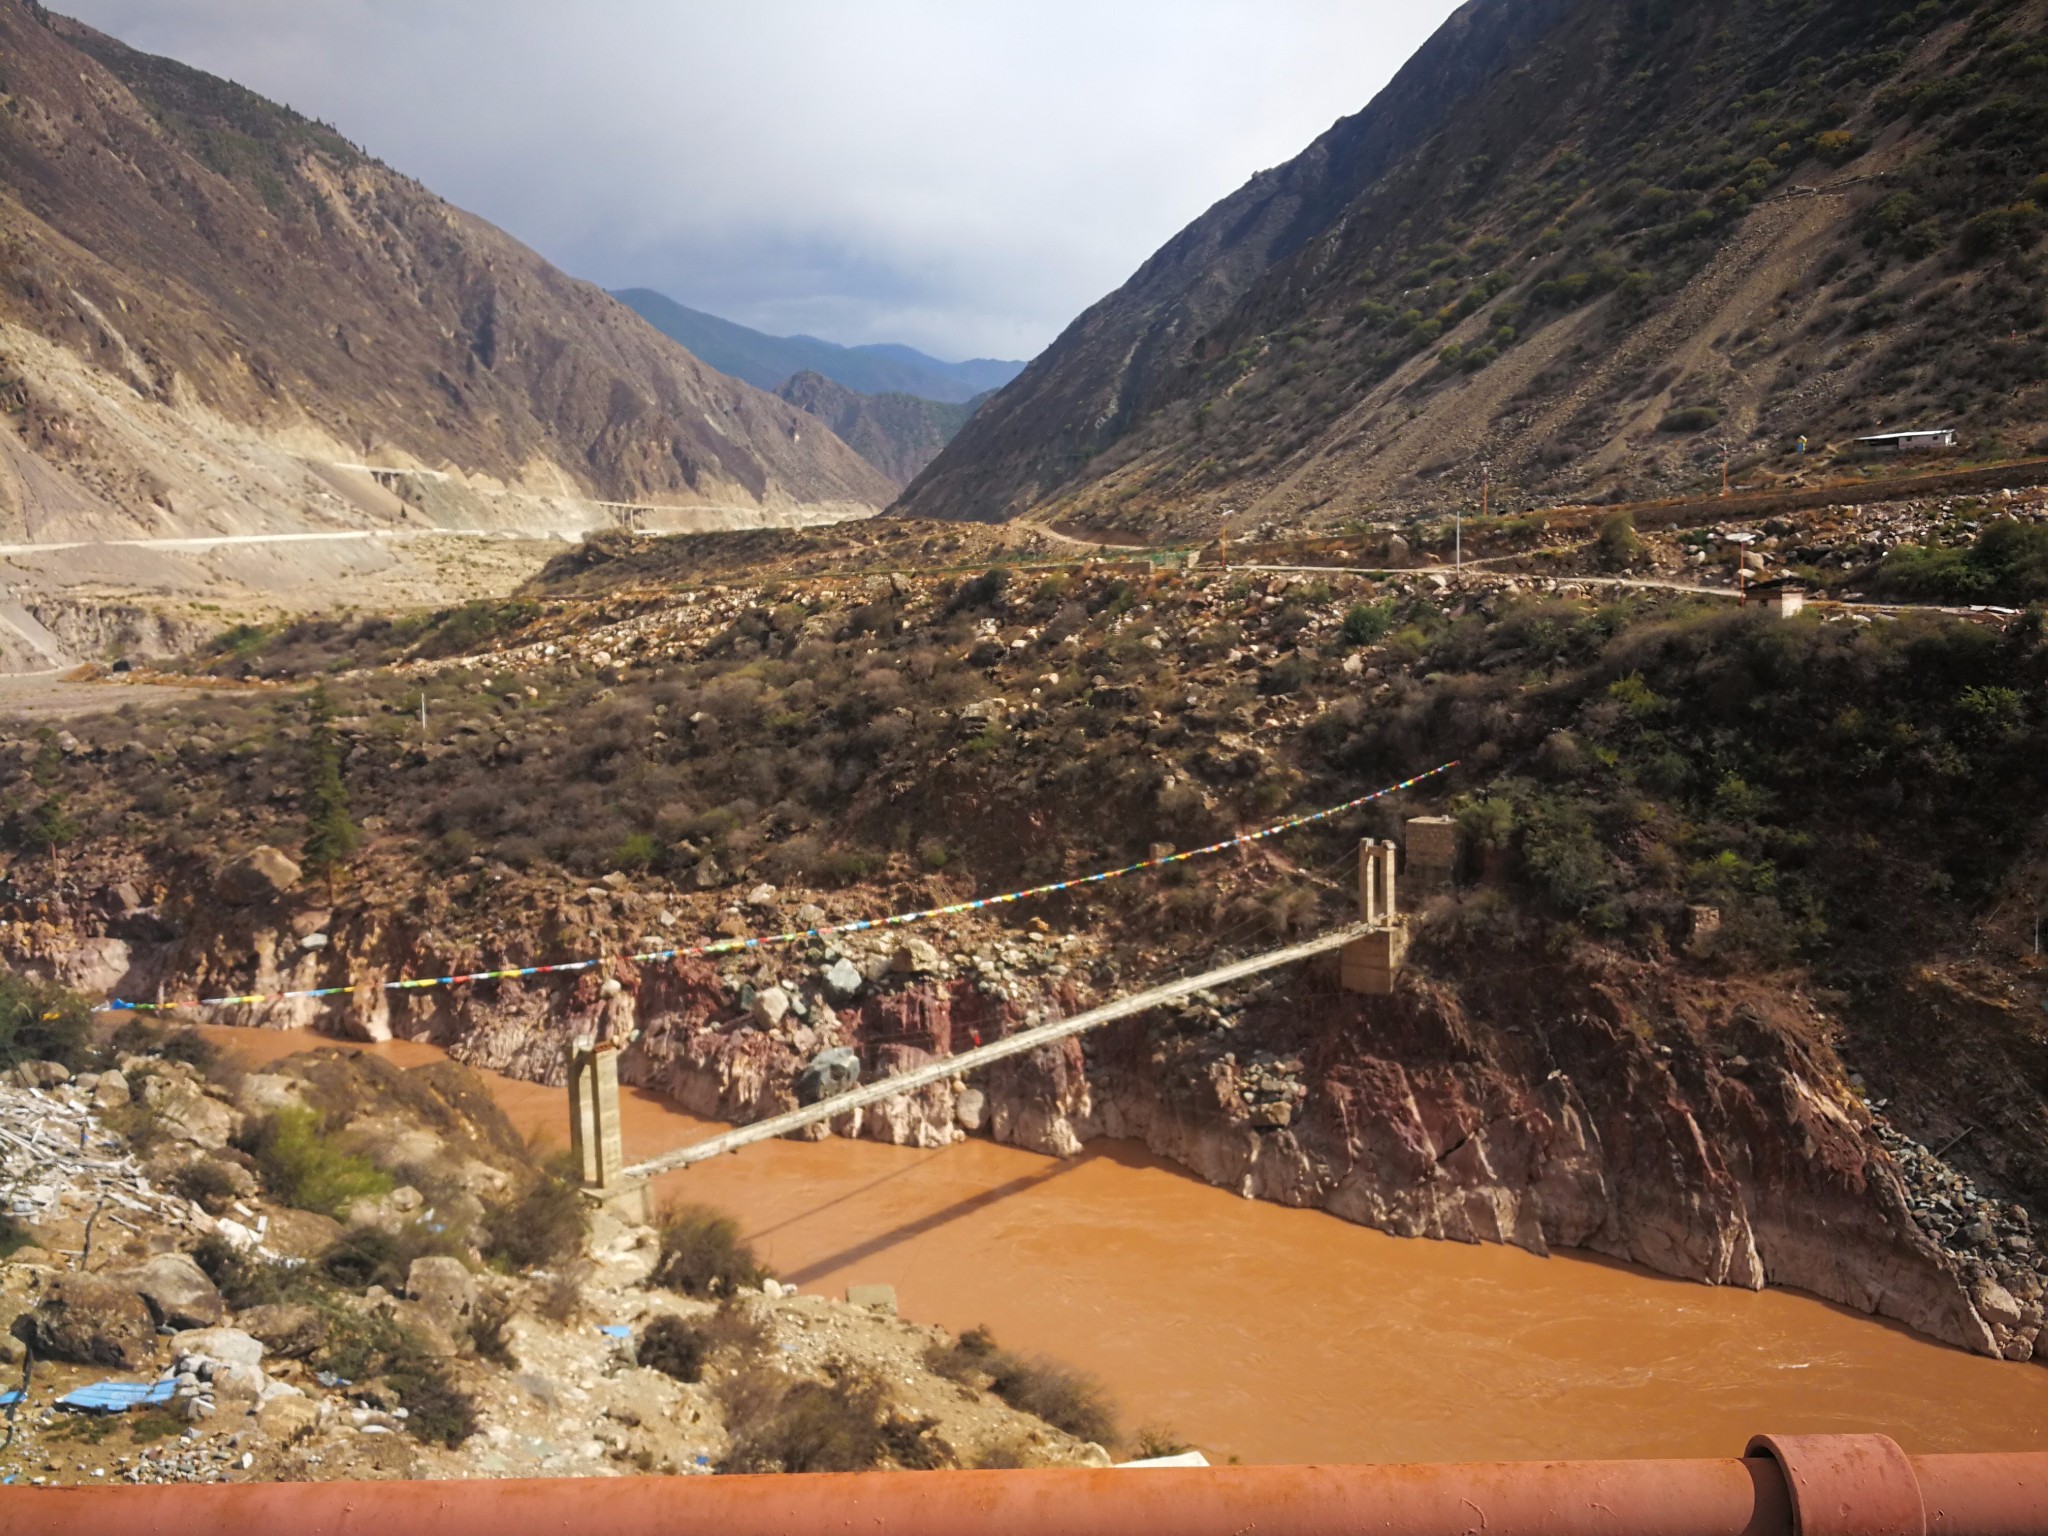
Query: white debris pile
x=54, y=1155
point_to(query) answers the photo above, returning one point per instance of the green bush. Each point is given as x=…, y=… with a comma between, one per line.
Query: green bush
x=304, y=1166
x=1367, y=623
x=2007, y=564
x=702, y=1253
x=1618, y=547
x=42, y=1022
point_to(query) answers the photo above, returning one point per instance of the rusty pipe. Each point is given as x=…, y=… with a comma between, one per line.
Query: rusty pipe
x=1793, y=1486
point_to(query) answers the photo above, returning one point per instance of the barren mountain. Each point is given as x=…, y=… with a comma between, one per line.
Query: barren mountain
x=898, y=434
x=210, y=307
x=1600, y=244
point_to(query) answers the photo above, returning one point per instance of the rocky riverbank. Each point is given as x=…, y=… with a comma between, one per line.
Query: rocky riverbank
x=176, y=1319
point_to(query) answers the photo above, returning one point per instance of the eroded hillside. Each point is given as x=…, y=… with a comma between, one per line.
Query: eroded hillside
x=210, y=306
x=1601, y=246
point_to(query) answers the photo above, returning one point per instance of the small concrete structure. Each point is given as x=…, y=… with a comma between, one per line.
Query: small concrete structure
x=595, y=1140
x=1432, y=854
x=1370, y=964
x=1785, y=597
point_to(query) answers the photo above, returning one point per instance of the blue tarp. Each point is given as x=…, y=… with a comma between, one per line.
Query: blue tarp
x=9, y=1399
x=615, y=1330
x=117, y=1396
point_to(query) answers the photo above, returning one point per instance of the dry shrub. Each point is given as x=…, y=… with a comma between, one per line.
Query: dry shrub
x=702, y=1253
x=561, y=1299
x=487, y=1325
x=674, y=1348
x=206, y=1183
x=1064, y=1398
x=543, y=1226
x=845, y=1425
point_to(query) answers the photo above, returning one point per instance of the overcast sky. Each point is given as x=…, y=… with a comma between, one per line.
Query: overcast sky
x=962, y=175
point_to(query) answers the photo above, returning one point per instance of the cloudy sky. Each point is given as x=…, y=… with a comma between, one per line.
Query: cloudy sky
x=962, y=175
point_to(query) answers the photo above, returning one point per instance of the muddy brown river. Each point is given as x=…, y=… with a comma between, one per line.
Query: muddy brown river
x=1275, y=1335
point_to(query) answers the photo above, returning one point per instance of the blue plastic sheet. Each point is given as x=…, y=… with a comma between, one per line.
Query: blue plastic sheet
x=615, y=1330
x=117, y=1396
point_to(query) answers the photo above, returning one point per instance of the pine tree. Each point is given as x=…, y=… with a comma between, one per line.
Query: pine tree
x=331, y=837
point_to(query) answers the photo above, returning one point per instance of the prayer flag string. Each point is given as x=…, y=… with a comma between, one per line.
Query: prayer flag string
x=770, y=941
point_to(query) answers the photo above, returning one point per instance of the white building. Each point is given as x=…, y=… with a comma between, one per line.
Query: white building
x=1927, y=440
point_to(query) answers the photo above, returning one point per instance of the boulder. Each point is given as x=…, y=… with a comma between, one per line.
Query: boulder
x=829, y=1074
x=90, y=1321
x=94, y=965
x=285, y=1329
x=186, y=1114
x=225, y=1346
x=770, y=1008
x=842, y=980
x=444, y=1287
x=264, y=1093
x=301, y=1234
x=111, y=1091
x=42, y=1074
x=261, y=874
x=970, y=1109
x=285, y=1418
x=177, y=1290
x=314, y=920
x=914, y=957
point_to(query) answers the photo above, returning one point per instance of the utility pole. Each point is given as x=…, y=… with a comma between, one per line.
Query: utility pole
x=423, y=717
x=1724, y=469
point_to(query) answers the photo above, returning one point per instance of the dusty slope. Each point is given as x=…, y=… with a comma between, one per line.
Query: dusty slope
x=1598, y=245
x=208, y=301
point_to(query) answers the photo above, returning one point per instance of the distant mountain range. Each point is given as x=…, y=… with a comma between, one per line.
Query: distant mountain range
x=768, y=362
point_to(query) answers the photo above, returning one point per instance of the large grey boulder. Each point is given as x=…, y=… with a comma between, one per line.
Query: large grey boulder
x=177, y=1291
x=843, y=980
x=228, y=1346
x=183, y=1111
x=261, y=874
x=829, y=1074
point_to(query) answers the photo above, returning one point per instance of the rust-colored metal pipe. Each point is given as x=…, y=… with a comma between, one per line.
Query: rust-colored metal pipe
x=1790, y=1486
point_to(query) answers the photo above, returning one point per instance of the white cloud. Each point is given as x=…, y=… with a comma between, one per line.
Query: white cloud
x=965, y=177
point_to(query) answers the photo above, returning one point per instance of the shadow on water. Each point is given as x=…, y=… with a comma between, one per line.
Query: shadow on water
x=882, y=1242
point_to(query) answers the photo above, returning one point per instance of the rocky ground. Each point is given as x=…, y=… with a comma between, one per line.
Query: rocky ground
x=452, y=1367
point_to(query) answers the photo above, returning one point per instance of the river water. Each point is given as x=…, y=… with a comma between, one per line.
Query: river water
x=1275, y=1335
